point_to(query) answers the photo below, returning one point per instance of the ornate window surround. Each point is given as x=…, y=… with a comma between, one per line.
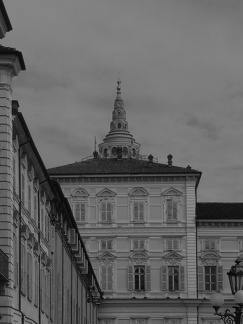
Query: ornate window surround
x=80, y=196
x=138, y=195
x=173, y=195
x=107, y=196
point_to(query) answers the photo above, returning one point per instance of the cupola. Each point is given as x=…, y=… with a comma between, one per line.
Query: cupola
x=119, y=143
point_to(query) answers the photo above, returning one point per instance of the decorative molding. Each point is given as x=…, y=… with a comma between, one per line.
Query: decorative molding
x=138, y=192
x=171, y=192
x=106, y=193
x=80, y=193
x=109, y=179
x=173, y=258
x=210, y=258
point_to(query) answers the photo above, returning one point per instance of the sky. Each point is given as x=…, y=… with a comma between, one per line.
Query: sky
x=181, y=71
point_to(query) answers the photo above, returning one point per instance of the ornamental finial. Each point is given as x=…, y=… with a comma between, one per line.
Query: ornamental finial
x=118, y=88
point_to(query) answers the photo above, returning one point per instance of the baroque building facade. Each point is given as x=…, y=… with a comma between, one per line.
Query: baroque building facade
x=158, y=254
x=45, y=272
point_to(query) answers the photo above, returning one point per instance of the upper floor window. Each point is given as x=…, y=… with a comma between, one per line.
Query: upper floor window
x=172, y=204
x=106, y=244
x=139, y=321
x=106, y=276
x=139, y=277
x=173, y=278
x=138, y=202
x=209, y=244
x=79, y=212
x=138, y=244
x=106, y=211
x=210, y=278
x=172, y=244
x=106, y=205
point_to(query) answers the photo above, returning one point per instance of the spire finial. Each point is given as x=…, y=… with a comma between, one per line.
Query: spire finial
x=118, y=88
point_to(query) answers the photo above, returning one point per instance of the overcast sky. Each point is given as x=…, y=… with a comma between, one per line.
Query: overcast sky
x=181, y=67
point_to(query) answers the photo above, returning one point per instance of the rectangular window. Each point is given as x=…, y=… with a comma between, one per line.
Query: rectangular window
x=172, y=244
x=23, y=188
x=14, y=172
x=210, y=245
x=79, y=212
x=106, y=245
x=29, y=198
x=139, y=277
x=172, y=209
x=29, y=276
x=139, y=244
x=107, y=277
x=23, y=268
x=173, y=278
x=36, y=283
x=210, y=277
x=106, y=211
x=35, y=209
x=42, y=220
x=138, y=211
x=16, y=260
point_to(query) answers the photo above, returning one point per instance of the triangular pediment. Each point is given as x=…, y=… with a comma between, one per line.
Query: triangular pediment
x=106, y=255
x=106, y=193
x=80, y=193
x=210, y=255
x=138, y=192
x=172, y=192
x=173, y=255
x=139, y=255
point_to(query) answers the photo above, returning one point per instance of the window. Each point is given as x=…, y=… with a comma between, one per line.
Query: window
x=36, y=283
x=35, y=209
x=23, y=268
x=16, y=260
x=79, y=212
x=14, y=172
x=29, y=197
x=42, y=220
x=29, y=276
x=139, y=277
x=139, y=321
x=106, y=211
x=23, y=187
x=173, y=278
x=171, y=209
x=172, y=245
x=106, y=245
x=138, y=211
x=210, y=245
x=210, y=278
x=106, y=277
x=138, y=244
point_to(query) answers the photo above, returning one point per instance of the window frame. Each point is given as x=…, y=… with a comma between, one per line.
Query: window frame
x=107, y=277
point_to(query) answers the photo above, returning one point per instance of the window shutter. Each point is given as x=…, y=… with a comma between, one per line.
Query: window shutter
x=142, y=244
x=135, y=211
x=182, y=278
x=148, y=278
x=109, y=211
x=175, y=244
x=103, y=277
x=135, y=244
x=141, y=211
x=200, y=278
x=103, y=245
x=169, y=244
x=169, y=208
x=109, y=245
x=207, y=245
x=103, y=211
x=130, y=278
x=175, y=209
x=220, y=278
x=109, y=278
x=77, y=211
x=213, y=245
x=82, y=213
x=163, y=278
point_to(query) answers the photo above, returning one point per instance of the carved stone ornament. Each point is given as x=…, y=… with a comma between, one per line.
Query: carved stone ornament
x=106, y=193
x=139, y=258
x=173, y=320
x=138, y=192
x=80, y=193
x=106, y=258
x=210, y=320
x=172, y=192
x=173, y=258
x=211, y=258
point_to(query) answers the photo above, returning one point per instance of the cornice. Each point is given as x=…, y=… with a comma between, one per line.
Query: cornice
x=132, y=230
x=221, y=223
x=119, y=179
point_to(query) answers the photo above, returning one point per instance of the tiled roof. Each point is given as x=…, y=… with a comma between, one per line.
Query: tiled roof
x=219, y=211
x=115, y=166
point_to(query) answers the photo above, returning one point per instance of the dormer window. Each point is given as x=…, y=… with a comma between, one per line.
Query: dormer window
x=119, y=125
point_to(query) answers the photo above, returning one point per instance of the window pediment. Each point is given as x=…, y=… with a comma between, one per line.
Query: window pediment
x=139, y=255
x=106, y=193
x=210, y=256
x=106, y=256
x=138, y=192
x=80, y=193
x=173, y=255
x=172, y=192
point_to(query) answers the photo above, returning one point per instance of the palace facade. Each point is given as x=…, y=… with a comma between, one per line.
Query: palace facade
x=158, y=253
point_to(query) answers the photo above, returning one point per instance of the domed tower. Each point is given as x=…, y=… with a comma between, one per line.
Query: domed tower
x=119, y=143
